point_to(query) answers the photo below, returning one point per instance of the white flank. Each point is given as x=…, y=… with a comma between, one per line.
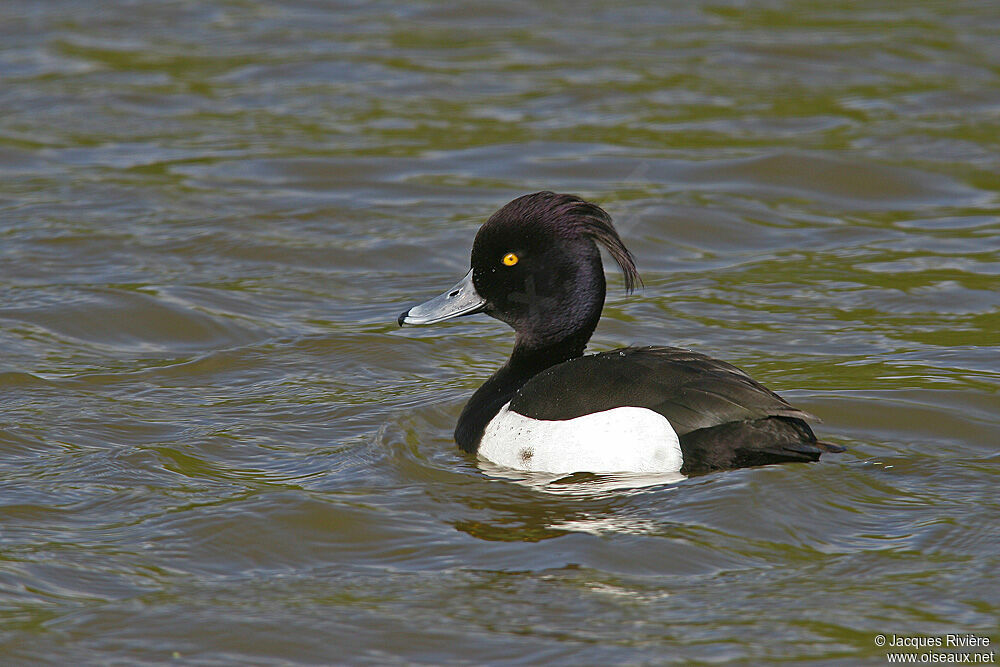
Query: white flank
x=619, y=440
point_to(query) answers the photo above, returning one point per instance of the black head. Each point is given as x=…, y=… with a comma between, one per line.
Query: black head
x=537, y=267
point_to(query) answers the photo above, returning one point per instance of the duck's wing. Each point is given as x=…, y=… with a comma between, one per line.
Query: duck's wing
x=691, y=390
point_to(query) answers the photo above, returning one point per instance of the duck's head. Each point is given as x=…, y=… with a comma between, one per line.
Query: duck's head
x=537, y=267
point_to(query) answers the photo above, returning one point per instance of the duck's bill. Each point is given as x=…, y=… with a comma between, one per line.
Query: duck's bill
x=462, y=299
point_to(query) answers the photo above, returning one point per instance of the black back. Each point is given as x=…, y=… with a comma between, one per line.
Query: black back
x=724, y=418
x=691, y=390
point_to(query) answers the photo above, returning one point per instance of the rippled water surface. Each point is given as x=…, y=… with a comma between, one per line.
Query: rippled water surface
x=216, y=446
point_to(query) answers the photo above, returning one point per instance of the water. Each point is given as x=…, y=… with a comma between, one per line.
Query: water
x=217, y=448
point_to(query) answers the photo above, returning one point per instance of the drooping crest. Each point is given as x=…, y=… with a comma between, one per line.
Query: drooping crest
x=589, y=219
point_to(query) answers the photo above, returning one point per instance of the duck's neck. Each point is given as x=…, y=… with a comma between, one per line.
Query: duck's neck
x=526, y=361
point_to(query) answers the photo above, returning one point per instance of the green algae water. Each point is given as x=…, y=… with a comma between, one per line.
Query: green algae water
x=216, y=447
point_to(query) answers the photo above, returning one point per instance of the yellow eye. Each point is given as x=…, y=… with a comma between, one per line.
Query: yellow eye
x=510, y=259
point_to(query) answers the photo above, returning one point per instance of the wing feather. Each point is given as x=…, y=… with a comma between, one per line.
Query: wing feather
x=693, y=391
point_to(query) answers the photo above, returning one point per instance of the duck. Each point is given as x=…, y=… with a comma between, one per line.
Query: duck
x=536, y=266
